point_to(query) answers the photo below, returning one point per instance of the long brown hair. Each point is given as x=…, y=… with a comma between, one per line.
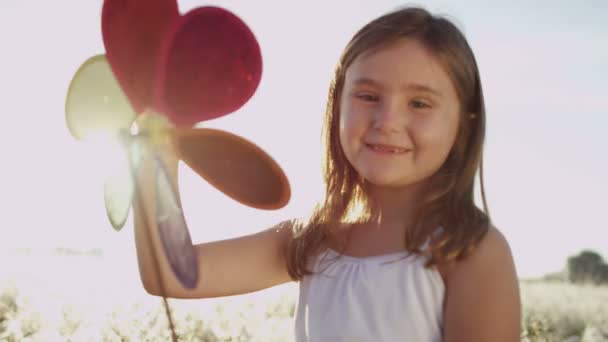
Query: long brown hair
x=449, y=203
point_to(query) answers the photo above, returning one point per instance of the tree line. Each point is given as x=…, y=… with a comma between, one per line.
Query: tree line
x=588, y=267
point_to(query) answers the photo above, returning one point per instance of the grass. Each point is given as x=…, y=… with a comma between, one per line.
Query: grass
x=25, y=317
x=55, y=304
x=558, y=311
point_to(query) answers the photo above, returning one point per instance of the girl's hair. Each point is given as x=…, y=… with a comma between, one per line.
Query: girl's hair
x=449, y=203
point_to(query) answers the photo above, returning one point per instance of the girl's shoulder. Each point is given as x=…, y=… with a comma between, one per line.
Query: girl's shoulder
x=482, y=286
x=493, y=248
x=487, y=269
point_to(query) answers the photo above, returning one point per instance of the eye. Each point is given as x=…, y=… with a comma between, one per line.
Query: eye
x=420, y=104
x=367, y=97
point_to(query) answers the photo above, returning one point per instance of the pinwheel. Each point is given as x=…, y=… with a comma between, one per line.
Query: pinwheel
x=161, y=74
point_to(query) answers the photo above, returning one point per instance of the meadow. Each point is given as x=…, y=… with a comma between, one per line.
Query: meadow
x=64, y=300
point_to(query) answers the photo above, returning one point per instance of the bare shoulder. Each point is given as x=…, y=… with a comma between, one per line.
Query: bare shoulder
x=493, y=250
x=482, y=294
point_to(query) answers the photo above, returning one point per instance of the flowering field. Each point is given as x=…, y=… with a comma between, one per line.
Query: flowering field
x=555, y=311
x=66, y=301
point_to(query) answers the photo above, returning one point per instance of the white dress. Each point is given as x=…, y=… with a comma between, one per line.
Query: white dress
x=389, y=297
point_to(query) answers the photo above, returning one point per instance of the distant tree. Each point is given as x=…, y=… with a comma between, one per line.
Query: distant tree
x=600, y=276
x=587, y=267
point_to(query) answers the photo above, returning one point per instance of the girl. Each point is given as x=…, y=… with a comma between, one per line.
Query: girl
x=397, y=251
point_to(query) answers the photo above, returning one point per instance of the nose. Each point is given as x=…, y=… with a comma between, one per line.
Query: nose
x=389, y=118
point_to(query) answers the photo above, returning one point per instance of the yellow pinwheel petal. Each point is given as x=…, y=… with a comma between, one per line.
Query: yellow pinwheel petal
x=118, y=194
x=95, y=104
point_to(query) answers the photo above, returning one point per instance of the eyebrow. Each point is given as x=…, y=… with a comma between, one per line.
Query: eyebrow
x=408, y=86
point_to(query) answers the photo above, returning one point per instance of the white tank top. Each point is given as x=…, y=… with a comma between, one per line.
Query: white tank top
x=387, y=298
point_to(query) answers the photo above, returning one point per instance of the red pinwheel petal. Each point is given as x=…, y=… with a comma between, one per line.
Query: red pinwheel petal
x=210, y=66
x=133, y=31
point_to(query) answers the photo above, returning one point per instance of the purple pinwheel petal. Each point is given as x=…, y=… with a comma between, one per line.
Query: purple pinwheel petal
x=173, y=230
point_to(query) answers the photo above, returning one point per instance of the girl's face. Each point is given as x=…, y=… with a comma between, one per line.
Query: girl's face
x=399, y=114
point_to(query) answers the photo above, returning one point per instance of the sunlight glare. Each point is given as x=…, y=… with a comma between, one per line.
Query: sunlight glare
x=107, y=153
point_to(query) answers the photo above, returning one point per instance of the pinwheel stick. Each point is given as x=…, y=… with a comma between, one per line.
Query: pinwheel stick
x=148, y=221
x=155, y=260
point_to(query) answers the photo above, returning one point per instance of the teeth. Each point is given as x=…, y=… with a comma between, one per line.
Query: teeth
x=385, y=149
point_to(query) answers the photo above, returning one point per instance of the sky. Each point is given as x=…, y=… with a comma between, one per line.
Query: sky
x=544, y=70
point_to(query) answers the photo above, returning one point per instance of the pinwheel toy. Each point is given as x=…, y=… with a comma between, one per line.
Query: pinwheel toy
x=163, y=72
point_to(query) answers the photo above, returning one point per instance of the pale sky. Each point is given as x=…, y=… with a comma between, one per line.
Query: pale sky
x=544, y=69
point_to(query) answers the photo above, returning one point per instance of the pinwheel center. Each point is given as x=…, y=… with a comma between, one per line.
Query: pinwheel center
x=153, y=127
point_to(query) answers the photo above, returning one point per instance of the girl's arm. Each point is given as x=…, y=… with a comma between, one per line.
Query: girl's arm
x=482, y=295
x=228, y=267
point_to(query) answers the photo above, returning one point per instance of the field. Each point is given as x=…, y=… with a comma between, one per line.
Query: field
x=65, y=302
x=555, y=311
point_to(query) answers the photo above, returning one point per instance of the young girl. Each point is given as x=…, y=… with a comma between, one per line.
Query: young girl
x=397, y=251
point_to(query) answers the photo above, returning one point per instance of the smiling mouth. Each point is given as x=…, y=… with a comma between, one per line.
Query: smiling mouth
x=387, y=149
